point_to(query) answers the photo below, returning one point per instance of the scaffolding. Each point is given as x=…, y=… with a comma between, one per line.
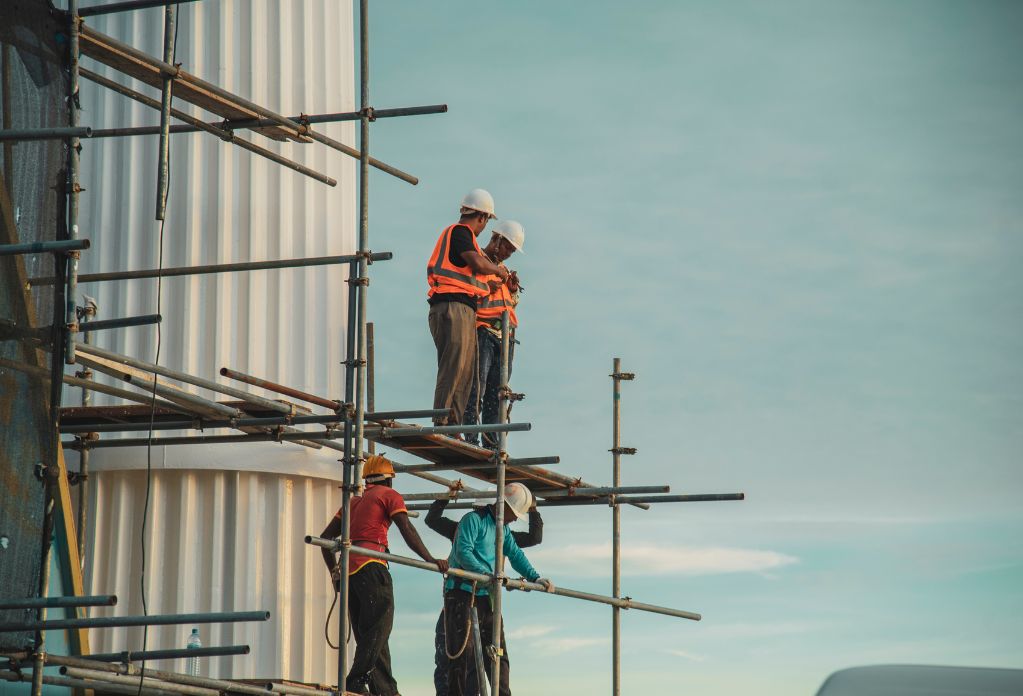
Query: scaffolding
x=160, y=403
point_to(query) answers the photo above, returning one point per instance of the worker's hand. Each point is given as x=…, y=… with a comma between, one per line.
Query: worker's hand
x=513, y=282
x=442, y=564
x=494, y=285
x=335, y=579
x=547, y=584
x=503, y=274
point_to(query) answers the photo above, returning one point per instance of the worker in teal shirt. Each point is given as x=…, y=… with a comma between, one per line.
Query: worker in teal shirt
x=474, y=550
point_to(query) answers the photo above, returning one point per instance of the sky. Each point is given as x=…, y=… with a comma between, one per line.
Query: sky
x=800, y=225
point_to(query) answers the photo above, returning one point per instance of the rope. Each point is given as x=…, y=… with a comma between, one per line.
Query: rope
x=468, y=625
x=326, y=625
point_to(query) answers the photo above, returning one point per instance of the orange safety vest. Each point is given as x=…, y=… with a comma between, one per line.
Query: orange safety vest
x=489, y=311
x=444, y=277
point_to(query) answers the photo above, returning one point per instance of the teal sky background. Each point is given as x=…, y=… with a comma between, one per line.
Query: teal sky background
x=799, y=223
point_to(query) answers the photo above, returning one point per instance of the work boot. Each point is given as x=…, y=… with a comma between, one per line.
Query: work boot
x=358, y=686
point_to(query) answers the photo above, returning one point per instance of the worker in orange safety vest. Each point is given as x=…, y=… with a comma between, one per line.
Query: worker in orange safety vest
x=457, y=275
x=508, y=237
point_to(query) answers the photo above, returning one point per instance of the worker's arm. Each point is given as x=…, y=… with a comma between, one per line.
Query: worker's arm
x=534, y=536
x=332, y=531
x=518, y=559
x=436, y=521
x=480, y=264
x=411, y=537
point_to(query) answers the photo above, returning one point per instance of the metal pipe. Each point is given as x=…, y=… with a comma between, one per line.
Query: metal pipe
x=280, y=389
x=502, y=449
x=584, y=491
x=53, y=602
x=515, y=584
x=174, y=677
x=53, y=247
x=190, y=379
x=25, y=134
x=50, y=485
x=86, y=313
x=121, y=621
x=136, y=656
x=321, y=437
x=73, y=188
x=124, y=322
x=477, y=643
x=125, y=6
x=136, y=681
x=297, y=690
x=201, y=424
x=199, y=124
x=83, y=684
x=370, y=380
x=613, y=500
x=190, y=401
x=472, y=464
x=215, y=268
x=616, y=529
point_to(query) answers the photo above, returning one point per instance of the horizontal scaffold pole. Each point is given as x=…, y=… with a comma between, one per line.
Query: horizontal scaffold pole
x=473, y=464
x=125, y=6
x=52, y=602
x=24, y=134
x=138, y=656
x=61, y=246
x=606, y=500
x=370, y=431
x=119, y=621
x=124, y=322
x=623, y=603
x=205, y=424
x=556, y=493
x=26, y=676
x=217, y=268
x=224, y=135
x=332, y=404
x=135, y=682
x=250, y=123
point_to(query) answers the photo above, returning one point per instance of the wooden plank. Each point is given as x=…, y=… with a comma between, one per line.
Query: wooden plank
x=147, y=69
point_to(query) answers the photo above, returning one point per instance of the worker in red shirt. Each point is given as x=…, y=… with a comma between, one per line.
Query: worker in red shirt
x=370, y=593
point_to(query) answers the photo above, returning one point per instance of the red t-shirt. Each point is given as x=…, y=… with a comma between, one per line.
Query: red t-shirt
x=371, y=518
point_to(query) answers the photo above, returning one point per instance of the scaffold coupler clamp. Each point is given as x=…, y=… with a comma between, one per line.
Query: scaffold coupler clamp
x=368, y=112
x=368, y=255
x=623, y=376
x=622, y=450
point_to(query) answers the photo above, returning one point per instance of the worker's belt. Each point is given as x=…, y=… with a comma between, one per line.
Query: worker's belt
x=372, y=545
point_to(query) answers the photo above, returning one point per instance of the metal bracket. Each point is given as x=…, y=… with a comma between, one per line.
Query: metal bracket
x=369, y=113
x=623, y=376
x=355, y=362
x=364, y=281
x=40, y=471
x=368, y=255
x=622, y=450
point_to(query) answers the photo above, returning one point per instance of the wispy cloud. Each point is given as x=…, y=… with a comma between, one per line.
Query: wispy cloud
x=686, y=655
x=530, y=631
x=595, y=559
x=758, y=630
x=568, y=644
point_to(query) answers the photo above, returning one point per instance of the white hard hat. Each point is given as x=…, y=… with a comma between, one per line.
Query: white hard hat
x=512, y=231
x=479, y=200
x=519, y=499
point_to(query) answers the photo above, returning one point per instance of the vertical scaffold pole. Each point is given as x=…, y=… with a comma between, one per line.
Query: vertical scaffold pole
x=88, y=311
x=502, y=459
x=356, y=363
x=616, y=530
x=70, y=311
x=371, y=404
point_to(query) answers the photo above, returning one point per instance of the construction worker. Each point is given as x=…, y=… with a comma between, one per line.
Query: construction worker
x=446, y=527
x=456, y=274
x=508, y=237
x=474, y=550
x=370, y=594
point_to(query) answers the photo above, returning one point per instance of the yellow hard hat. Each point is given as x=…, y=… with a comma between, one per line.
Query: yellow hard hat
x=377, y=468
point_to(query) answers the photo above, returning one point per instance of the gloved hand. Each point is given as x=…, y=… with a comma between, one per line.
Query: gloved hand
x=547, y=584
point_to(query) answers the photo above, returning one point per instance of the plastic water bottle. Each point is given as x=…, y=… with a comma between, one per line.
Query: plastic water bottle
x=193, y=662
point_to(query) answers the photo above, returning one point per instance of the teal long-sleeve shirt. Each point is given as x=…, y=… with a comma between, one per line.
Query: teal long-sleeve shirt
x=473, y=550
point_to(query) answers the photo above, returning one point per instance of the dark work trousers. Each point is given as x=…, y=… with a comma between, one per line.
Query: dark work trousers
x=456, y=620
x=371, y=610
x=440, y=661
x=487, y=405
x=453, y=326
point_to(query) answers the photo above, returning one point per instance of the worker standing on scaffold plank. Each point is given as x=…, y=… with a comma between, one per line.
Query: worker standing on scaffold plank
x=456, y=275
x=508, y=237
x=447, y=528
x=370, y=593
x=473, y=550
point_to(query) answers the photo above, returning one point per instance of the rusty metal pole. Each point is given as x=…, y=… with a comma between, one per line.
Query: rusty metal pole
x=170, y=28
x=502, y=460
x=371, y=401
x=86, y=313
x=73, y=188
